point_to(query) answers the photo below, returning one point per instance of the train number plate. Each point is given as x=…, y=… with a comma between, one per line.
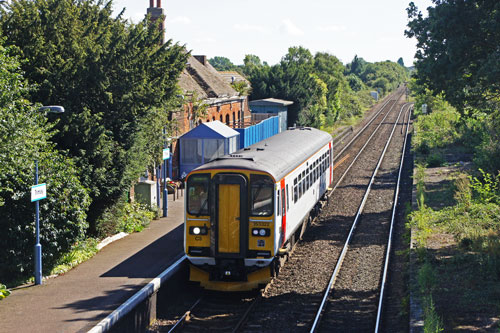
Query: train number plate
x=261, y=243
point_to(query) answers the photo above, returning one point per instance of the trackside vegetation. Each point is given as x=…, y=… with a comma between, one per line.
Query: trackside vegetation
x=117, y=83
x=324, y=90
x=457, y=223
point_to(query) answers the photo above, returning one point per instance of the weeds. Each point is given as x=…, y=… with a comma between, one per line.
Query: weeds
x=4, y=292
x=79, y=253
x=432, y=321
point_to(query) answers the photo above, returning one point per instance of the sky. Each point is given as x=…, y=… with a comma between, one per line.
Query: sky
x=373, y=30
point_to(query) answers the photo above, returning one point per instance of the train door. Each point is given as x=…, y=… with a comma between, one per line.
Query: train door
x=229, y=220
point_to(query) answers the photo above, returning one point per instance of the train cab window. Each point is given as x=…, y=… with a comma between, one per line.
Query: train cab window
x=197, y=194
x=261, y=195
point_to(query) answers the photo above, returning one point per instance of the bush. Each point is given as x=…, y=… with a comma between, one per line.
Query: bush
x=435, y=160
x=125, y=217
x=24, y=137
x=81, y=251
x=436, y=130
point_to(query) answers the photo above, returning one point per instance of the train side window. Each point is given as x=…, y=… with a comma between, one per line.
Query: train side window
x=295, y=193
x=287, y=199
x=261, y=195
x=278, y=203
x=283, y=206
x=197, y=194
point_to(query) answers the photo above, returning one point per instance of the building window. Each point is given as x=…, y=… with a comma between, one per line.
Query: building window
x=221, y=118
x=234, y=120
x=227, y=119
x=213, y=118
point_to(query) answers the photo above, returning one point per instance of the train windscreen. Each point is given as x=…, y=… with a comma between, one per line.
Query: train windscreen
x=197, y=191
x=261, y=196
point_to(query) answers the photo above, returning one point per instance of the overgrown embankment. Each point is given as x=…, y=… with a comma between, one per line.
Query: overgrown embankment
x=456, y=226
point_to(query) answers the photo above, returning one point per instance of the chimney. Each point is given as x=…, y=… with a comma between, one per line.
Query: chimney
x=202, y=59
x=157, y=13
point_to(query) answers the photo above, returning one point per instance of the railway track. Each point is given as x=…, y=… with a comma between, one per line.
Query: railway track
x=373, y=226
x=294, y=297
x=216, y=312
x=290, y=301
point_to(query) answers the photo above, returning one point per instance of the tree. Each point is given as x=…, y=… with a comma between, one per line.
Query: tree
x=115, y=80
x=401, y=62
x=457, y=51
x=222, y=64
x=24, y=137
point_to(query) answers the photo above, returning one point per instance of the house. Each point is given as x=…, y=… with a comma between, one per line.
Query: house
x=208, y=96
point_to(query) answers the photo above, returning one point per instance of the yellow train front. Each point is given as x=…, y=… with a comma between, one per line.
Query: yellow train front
x=241, y=209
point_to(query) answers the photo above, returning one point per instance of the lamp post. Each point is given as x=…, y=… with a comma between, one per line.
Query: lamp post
x=39, y=192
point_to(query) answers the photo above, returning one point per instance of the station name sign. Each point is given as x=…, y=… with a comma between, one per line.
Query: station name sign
x=38, y=192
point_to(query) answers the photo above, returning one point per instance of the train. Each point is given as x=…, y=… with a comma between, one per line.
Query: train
x=245, y=211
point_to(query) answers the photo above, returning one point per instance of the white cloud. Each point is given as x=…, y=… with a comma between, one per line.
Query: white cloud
x=181, y=20
x=290, y=28
x=332, y=28
x=249, y=27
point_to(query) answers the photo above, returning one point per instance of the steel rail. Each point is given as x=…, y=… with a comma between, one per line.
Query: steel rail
x=183, y=318
x=361, y=150
x=364, y=127
x=353, y=227
x=393, y=218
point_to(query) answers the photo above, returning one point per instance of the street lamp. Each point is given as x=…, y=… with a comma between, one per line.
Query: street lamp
x=39, y=192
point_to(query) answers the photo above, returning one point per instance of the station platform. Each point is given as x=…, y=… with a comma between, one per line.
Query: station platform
x=82, y=297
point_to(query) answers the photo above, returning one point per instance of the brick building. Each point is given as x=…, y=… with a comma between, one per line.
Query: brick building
x=203, y=86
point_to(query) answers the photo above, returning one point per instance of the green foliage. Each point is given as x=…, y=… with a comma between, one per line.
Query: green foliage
x=4, y=292
x=125, y=217
x=486, y=188
x=401, y=62
x=487, y=151
x=115, y=80
x=383, y=76
x=80, y=252
x=24, y=137
x=135, y=218
x=426, y=278
x=435, y=160
x=432, y=321
x=457, y=51
x=436, y=130
x=318, y=86
x=222, y=64
x=242, y=87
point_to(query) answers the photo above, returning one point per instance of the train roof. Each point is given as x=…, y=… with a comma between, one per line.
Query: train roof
x=277, y=155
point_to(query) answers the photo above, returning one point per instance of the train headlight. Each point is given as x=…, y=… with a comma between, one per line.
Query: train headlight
x=198, y=230
x=262, y=232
